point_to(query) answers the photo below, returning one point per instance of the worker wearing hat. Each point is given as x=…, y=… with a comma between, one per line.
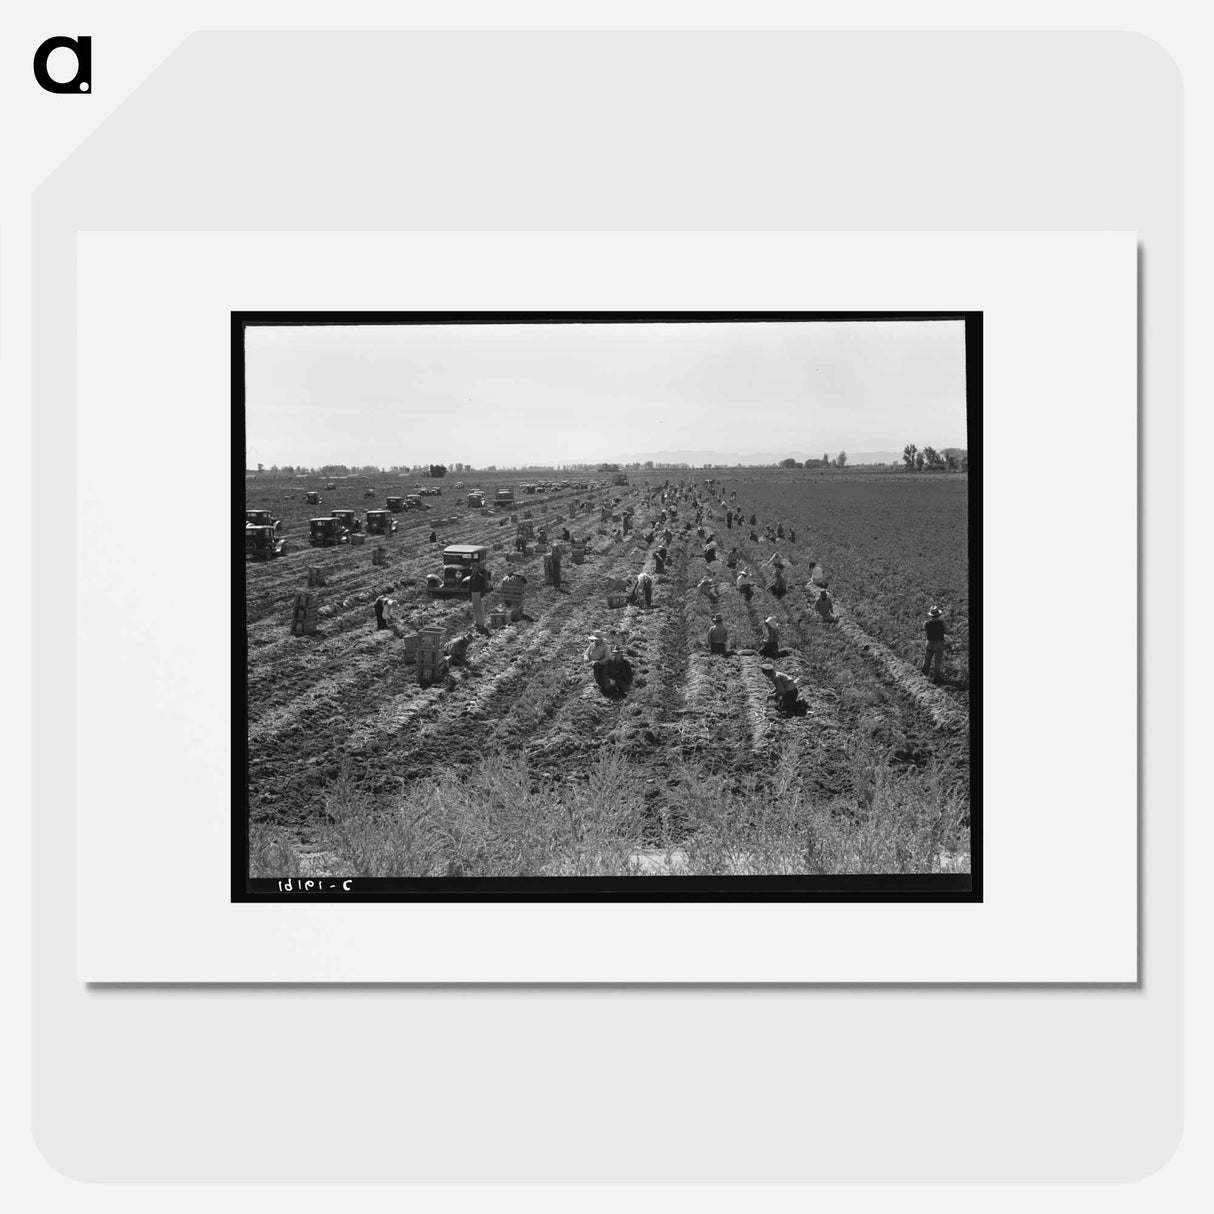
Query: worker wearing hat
x=598, y=654
x=771, y=638
x=784, y=687
x=745, y=585
x=718, y=636
x=933, y=655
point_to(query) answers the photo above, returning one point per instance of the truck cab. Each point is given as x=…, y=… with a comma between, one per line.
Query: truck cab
x=395, y=504
x=380, y=522
x=262, y=518
x=325, y=532
x=348, y=519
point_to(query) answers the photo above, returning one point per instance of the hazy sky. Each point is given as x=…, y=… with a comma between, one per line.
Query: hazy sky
x=570, y=393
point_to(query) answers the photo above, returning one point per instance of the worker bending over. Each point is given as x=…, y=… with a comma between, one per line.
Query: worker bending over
x=598, y=655
x=745, y=586
x=784, y=688
x=718, y=637
x=825, y=607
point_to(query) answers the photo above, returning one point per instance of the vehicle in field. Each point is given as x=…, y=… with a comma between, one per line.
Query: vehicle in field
x=369, y=493
x=261, y=543
x=528, y=488
x=460, y=561
x=504, y=497
x=347, y=519
x=312, y=498
x=380, y=522
x=414, y=502
x=326, y=532
x=619, y=478
x=476, y=499
x=430, y=491
x=395, y=504
x=262, y=518
x=330, y=487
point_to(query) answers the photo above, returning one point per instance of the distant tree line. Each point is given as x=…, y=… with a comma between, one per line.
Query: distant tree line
x=840, y=461
x=951, y=459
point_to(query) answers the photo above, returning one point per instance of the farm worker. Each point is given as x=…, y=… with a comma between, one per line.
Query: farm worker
x=708, y=588
x=754, y=536
x=779, y=586
x=776, y=561
x=729, y=519
x=732, y=559
x=598, y=654
x=383, y=612
x=825, y=607
x=457, y=649
x=646, y=584
x=619, y=671
x=754, y=522
x=659, y=561
x=478, y=583
x=434, y=537
x=745, y=585
x=784, y=687
x=557, y=553
x=710, y=552
x=933, y=626
x=718, y=636
x=780, y=530
x=771, y=638
x=792, y=535
x=817, y=575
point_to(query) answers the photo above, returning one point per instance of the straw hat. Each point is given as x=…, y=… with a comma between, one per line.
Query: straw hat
x=717, y=619
x=771, y=619
x=767, y=668
x=935, y=611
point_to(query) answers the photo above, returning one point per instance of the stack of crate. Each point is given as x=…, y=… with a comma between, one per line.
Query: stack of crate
x=431, y=661
x=304, y=620
x=379, y=557
x=316, y=576
x=512, y=599
x=579, y=554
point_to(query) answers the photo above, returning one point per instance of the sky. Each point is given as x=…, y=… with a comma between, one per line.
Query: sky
x=510, y=395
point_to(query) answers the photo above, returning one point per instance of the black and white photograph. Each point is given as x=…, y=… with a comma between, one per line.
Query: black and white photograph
x=607, y=605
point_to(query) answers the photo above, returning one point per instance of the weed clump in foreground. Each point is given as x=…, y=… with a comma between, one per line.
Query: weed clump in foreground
x=500, y=819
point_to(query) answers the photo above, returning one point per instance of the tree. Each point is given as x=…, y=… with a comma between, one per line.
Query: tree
x=789, y=463
x=261, y=467
x=438, y=470
x=841, y=460
x=825, y=460
x=919, y=461
x=932, y=456
x=909, y=452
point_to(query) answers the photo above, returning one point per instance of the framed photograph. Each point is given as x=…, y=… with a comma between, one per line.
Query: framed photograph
x=572, y=606
x=414, y=802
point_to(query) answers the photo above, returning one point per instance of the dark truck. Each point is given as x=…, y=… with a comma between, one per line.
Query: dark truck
x=460, y=561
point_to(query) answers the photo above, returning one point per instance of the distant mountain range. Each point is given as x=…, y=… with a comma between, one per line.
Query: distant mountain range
x=729, y=458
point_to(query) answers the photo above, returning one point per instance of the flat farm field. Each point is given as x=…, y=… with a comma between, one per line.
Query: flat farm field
x=516, y=764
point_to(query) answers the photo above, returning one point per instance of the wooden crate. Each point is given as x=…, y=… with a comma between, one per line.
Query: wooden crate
x=305, y=616
x=358, y=539
x=499, y=619
x=316, y=576
x=616, y=599
x=379, y=557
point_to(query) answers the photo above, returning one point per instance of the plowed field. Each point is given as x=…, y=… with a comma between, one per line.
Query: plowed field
x=342, y=709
